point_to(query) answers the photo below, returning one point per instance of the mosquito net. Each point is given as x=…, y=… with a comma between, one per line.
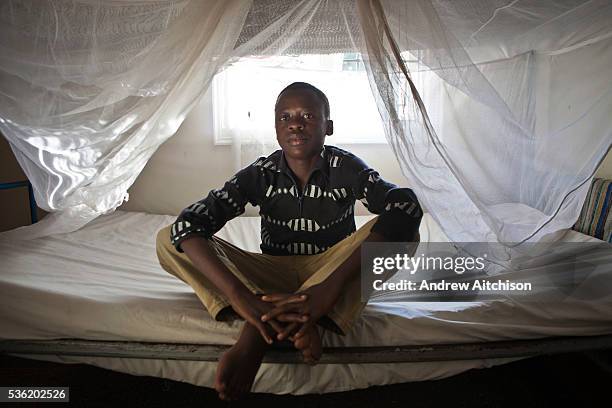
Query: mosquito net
x=497, y=111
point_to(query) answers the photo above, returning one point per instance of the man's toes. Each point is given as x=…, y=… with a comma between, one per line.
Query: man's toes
x=225, y=390
x=223, y=393
x=220, y=387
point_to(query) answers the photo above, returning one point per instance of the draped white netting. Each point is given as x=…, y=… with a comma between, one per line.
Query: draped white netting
x=90, y=89
x=500, y=145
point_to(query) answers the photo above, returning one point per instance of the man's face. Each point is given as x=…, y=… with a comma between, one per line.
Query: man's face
x=301, y=125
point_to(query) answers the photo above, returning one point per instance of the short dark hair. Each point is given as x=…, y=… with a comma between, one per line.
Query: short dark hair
x=305, y=85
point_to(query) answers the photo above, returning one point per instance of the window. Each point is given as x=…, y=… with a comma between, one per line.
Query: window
x=244, y=95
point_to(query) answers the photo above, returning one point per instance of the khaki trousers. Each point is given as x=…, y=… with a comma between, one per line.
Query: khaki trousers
x=263, y=273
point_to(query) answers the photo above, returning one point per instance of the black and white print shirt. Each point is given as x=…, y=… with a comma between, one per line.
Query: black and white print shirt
x=307, y=222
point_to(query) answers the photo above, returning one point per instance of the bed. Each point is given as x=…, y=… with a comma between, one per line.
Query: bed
x=98, y=296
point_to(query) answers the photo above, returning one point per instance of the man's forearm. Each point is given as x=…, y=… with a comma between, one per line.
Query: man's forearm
x=206, y=261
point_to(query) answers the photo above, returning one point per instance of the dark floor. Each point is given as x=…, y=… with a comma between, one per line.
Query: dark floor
x=570, y=379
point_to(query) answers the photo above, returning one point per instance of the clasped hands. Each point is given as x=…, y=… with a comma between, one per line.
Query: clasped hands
x=290, y=315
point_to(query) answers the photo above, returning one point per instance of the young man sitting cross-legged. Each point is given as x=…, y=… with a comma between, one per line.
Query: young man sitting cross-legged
x=308, y=273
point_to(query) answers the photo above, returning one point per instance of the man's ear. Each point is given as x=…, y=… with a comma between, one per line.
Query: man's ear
x=330, y=128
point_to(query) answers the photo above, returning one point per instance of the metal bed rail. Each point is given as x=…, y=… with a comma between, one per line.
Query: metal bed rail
x=336, y=355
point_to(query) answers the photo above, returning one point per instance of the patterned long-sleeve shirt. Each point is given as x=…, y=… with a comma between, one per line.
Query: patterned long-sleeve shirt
x=304, y=221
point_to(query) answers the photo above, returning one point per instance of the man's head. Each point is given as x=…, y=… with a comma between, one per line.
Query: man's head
x=302, y=120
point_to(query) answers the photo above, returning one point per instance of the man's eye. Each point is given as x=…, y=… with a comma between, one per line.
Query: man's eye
x=283, y=118
x=308, y=115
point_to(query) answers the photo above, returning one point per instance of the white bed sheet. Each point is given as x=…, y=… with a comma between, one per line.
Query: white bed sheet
x=103, y=282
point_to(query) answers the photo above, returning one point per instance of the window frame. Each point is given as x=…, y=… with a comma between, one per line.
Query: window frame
x=224, y=135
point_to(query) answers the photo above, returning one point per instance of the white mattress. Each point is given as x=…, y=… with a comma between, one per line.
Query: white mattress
x=103, y=282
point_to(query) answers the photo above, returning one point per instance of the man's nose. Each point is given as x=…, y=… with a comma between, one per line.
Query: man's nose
x=296, y=124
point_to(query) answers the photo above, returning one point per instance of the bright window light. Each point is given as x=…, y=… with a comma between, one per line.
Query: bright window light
x=244, y=95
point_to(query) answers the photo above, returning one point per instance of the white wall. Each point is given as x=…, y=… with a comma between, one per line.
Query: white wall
x=189, y=165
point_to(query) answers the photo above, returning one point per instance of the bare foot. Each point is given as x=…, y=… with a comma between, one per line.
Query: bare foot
x=310, y=345
x=238, y=366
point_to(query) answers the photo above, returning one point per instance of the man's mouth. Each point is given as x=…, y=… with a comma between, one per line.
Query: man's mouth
x=297, y=141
